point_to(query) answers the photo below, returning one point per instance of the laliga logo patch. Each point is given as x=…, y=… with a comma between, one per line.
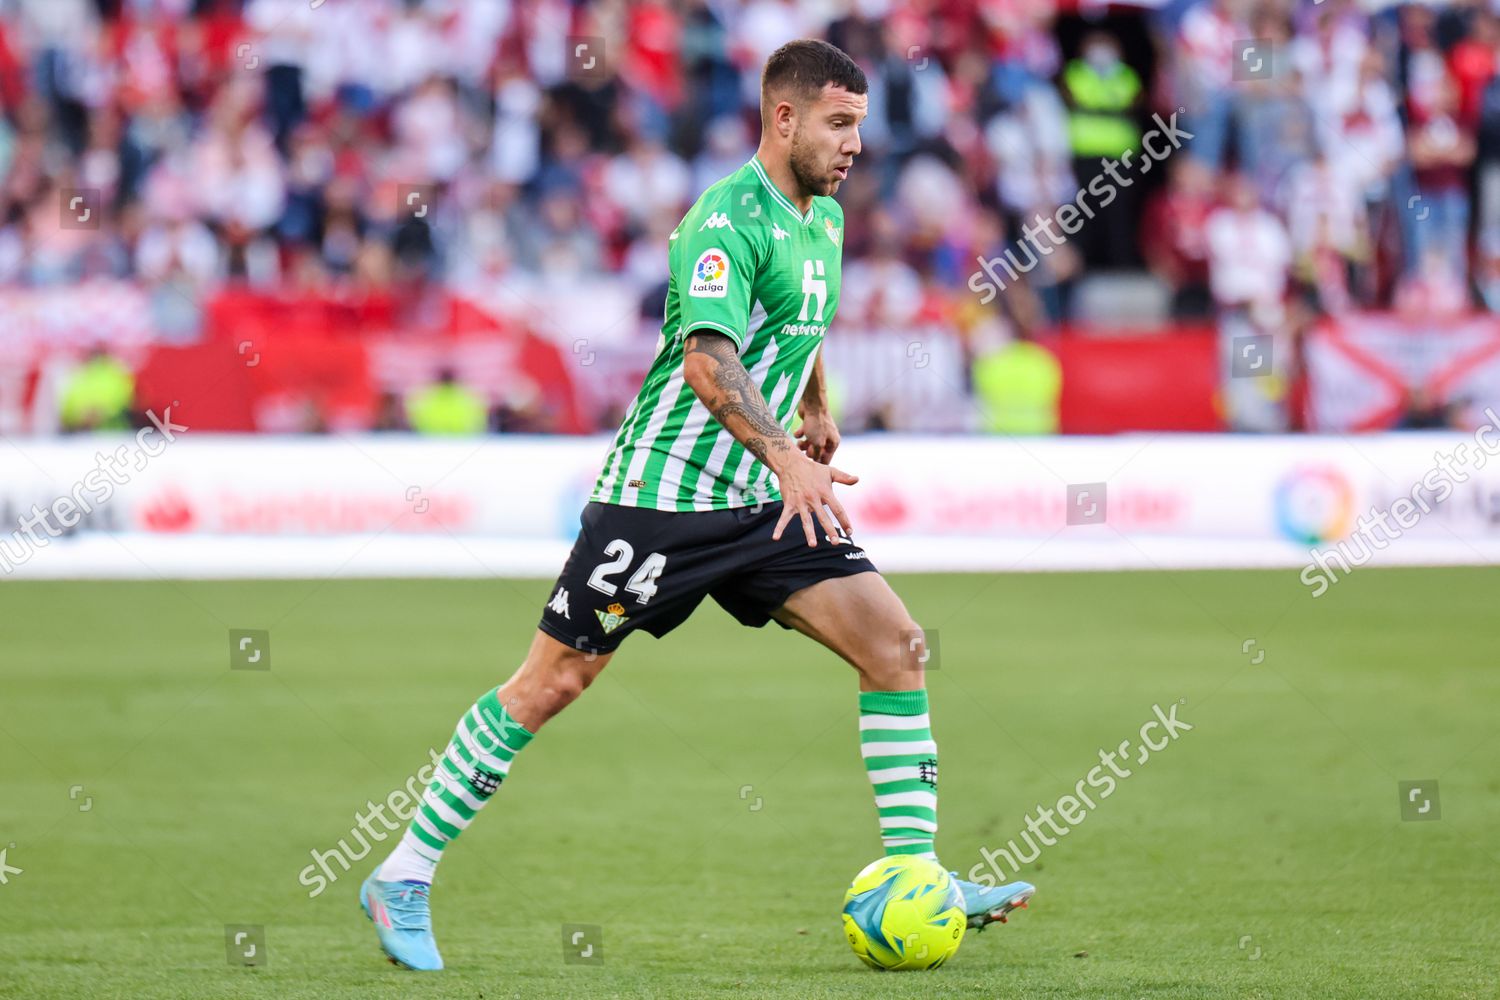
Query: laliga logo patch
x=710, y=275
x=611, y=617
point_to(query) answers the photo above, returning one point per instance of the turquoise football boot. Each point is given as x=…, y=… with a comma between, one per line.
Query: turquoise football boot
x=985, y=906
x=403, y=922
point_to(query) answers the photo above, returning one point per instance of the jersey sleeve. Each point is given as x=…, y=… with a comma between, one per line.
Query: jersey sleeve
x=716, y=270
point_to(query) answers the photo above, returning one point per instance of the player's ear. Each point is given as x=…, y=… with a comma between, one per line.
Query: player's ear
x=784, y=119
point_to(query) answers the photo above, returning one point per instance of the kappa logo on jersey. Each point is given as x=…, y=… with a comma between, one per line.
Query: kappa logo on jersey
x=612, y=617
x=717, y=220
x=778, y=232
x=710, y=275
x=559, y=603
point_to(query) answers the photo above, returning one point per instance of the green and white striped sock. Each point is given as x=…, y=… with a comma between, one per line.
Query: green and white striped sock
x=895, y=739
x=477, y=760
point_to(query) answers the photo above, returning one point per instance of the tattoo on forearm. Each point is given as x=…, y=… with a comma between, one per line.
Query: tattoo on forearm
x=759, y=418
x=737, y=395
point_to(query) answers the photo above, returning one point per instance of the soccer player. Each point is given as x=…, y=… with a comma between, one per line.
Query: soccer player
x=704, y=492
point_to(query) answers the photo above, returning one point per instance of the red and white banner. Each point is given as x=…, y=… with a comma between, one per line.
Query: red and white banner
x=1366, y=370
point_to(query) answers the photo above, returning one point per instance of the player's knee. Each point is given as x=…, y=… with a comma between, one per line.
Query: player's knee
x=566, y=688
x=896, y=656
x=564, y=684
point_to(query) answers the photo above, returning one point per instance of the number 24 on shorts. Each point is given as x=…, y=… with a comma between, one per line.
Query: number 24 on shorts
x=642, y=582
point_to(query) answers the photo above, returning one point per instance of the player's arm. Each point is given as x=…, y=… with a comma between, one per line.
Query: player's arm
x=711, y=366
x=818, y=436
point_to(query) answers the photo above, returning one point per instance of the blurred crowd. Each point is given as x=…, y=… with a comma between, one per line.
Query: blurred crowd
x=524, y=150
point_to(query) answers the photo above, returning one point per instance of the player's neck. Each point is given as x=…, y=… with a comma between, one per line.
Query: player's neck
x=780, y=172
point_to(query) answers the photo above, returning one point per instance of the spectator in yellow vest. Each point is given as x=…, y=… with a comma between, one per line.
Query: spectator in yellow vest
x=98, y=394
x=1019, y=386
x=446, y=407
x=1103, y=94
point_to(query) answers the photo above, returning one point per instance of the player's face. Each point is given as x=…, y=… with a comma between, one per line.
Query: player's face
x=827, y=140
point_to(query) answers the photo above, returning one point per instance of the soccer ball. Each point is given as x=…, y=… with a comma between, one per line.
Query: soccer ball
x=904, y=912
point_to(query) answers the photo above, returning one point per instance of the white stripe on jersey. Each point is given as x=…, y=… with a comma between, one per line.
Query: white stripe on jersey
x=759, y=488
x=641, y=452
x=607, y=482
x=671, y=472
x=757, y=320
x=737, y=490
x=703, y=489
x=698, y=418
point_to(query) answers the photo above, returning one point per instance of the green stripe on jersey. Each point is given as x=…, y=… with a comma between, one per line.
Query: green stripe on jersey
x=744, y=264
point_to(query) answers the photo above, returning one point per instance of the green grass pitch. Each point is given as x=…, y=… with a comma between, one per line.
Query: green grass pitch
x=1263, y=854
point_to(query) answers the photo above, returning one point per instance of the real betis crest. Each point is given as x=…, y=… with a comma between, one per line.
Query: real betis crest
x=829, y=228
x=611, y=617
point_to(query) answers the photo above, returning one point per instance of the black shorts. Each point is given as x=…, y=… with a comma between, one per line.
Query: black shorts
x=637, y=568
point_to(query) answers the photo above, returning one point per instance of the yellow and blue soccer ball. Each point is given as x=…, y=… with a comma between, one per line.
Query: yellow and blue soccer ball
x=904, y=912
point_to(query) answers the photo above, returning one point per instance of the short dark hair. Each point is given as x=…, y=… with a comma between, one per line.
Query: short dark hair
x=801, y=69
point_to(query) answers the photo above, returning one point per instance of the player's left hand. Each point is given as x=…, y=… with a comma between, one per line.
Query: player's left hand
x=818, y=437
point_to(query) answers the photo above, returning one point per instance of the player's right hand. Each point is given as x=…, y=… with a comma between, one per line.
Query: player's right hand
x=807, y=492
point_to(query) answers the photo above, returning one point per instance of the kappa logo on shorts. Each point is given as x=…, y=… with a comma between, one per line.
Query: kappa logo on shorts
x=612, y=617
x=559, y=603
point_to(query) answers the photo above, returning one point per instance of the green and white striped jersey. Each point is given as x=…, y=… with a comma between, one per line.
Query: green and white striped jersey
x=744, y=263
